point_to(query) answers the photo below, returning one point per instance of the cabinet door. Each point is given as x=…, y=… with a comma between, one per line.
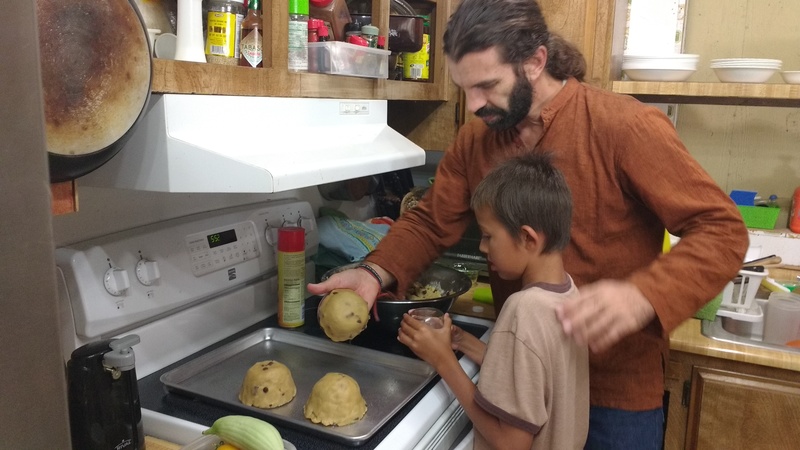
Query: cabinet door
x=730, y=410
x=590, y=25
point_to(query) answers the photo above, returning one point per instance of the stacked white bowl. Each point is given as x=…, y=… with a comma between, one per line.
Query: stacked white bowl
x=745, y=70
x=672, y=67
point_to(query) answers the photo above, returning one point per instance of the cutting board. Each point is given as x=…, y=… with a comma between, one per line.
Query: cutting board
x=151, y=443
x=466, y=306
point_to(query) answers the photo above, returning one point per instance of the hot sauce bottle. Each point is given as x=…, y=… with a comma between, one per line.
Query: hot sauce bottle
x=251, y=50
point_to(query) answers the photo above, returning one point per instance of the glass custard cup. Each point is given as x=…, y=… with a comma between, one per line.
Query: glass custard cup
x=429, y=316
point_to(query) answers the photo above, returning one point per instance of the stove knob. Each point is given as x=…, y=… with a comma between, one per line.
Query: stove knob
x=116, y=281
x=147, y=271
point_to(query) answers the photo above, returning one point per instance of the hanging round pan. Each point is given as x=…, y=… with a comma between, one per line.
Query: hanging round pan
x=96, y=77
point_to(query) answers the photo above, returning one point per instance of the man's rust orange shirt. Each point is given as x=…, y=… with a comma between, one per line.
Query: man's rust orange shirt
x=630, y=177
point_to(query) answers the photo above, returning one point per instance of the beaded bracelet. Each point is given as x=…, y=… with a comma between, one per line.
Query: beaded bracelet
x=372, y=272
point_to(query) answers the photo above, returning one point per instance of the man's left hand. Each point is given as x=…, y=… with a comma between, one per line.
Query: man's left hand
x=605, y=312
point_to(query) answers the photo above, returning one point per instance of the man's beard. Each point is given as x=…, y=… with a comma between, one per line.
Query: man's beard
x=519, y=105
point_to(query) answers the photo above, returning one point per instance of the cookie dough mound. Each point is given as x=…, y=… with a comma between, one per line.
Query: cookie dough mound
x=335, y=400
x=267, y=384
x=342, y=314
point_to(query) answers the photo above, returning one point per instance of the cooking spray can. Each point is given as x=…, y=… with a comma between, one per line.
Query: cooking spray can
x=291, y=276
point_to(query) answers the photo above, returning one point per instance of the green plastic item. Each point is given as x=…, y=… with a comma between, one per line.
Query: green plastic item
x=709, y=311
x=483, y=295
x=299, y=7
x=759, y=216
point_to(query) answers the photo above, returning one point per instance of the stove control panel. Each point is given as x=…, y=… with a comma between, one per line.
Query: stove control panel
x=130, y=278
x=222, y=247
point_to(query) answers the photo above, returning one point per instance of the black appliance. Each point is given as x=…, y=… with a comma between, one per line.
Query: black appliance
x=104, y=409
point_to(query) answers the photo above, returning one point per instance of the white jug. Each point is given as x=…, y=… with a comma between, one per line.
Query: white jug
x=189, y=45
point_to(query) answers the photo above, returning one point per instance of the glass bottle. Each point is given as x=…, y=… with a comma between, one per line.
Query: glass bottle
x=334, y=14
x=251, y=46
x=416, y=66
x=224, y=31
x=298, y=35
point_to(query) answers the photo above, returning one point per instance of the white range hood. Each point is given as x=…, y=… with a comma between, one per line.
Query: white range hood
x=227, y=144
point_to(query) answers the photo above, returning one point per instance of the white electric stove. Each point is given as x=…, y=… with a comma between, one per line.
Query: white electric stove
x=189, y=284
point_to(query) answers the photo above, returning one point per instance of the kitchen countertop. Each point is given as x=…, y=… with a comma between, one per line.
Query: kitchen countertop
x=685, y=338
x=688, y=338
x=466, y=306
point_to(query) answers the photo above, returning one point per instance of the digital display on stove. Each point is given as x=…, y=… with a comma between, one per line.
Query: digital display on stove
x=221, y=238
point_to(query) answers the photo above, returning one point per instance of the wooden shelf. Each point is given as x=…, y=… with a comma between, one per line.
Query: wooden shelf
x=745, y=94
x=274, y=80
x=182, y=77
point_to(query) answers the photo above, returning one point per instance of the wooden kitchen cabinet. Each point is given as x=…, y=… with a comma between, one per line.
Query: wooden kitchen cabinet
x=716, y=403
x=274, y=80
x=589, y=24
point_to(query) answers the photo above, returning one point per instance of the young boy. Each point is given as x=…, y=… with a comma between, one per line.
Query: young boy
x=533, y=391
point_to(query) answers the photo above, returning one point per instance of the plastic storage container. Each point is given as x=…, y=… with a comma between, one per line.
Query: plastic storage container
x=341, y=58
x=763, y=217
x=782, y=321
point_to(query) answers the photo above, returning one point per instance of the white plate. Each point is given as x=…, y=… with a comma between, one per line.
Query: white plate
x=659, y=74
x=677, y=56
x=668, y=65
x=747, y=61
x=744, y=65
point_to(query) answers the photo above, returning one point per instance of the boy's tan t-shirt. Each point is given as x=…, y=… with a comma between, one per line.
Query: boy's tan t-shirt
x=534, y=376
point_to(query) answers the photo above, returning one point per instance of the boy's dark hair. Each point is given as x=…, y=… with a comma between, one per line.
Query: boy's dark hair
x=529, y=190
x=517, y=28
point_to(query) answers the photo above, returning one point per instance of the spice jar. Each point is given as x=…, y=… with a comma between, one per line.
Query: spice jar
x=370, y=33
x=333, y=13
x=298, y=35
x=314, y=25
x=224, y=31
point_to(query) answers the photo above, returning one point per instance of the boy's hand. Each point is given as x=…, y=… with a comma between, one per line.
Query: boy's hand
x=456, y=336
x=432, y=345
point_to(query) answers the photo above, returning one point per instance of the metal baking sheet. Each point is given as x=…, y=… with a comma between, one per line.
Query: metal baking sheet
x=387, y=381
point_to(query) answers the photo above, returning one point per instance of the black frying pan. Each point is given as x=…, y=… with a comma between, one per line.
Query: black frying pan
x=96, y=78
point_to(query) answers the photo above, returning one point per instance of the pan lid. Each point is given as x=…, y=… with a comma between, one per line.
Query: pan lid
x=96, y=72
